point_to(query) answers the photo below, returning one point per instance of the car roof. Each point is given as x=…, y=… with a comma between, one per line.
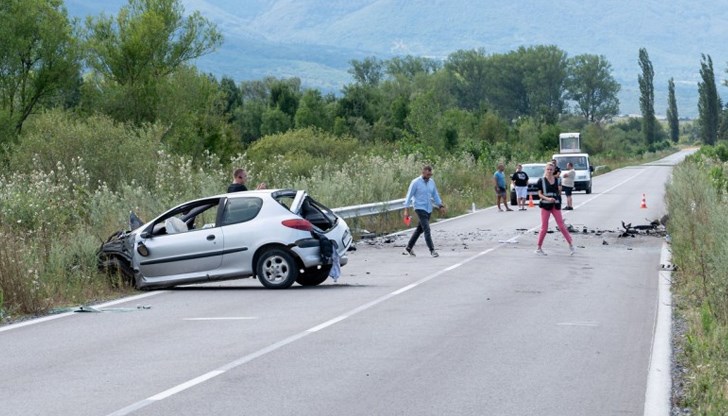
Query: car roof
x=533, y=164
x=249, y=193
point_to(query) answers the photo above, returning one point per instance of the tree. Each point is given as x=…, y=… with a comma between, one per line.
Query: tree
x=369, y=72
x=506, y=92
x=469, y=72
x=233, y=95
x=411, y=66
x=544, y=76
x=591, y=85
x=312, y=111
x=146, y=42
x=647, y=97
x=709, y=104
x=39, y=59
x=672, y=118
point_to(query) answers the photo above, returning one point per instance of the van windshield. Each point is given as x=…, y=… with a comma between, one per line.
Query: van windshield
x=579, y=162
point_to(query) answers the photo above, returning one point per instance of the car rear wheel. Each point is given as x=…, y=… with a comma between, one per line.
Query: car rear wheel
x=276, y=269
x=314, y=276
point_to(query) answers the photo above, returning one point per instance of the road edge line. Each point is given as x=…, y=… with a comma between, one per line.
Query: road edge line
x=659, y=375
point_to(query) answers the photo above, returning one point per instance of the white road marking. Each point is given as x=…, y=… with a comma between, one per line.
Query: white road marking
x=586, y=323
x=659, y=374
x=222, y=318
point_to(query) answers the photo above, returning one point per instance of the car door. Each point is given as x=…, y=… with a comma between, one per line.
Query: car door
x=183, y=254
x=243, y=231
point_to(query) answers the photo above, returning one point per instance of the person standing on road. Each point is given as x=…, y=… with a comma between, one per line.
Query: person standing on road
x=520, y=184
x=499, y=182
x=557, y=171
x=567, y=184
x=421, y=193
x=549, y=192
x=239, y=179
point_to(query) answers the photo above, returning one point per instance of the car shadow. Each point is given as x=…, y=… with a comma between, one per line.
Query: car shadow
x=201, y=288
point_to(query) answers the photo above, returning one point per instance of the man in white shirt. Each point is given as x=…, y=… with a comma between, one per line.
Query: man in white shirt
x=567, y=184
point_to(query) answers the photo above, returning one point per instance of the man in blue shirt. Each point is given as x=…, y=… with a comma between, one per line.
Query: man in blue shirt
x=421, y=193
x=499, y=180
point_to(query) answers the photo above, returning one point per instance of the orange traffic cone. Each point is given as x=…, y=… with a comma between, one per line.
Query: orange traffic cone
x=644, y=202
x=530, y=201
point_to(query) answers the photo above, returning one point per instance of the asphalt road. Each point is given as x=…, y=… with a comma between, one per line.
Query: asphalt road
x=488, y=328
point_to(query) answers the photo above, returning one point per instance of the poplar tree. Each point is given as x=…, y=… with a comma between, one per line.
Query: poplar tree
x=672, y=117
x=709, y=104
x=647, y=97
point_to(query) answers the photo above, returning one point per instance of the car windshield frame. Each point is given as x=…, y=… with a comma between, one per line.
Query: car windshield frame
x=534, y=171
x=579, y=162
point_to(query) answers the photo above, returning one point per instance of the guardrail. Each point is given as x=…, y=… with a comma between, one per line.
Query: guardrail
x=369, y=209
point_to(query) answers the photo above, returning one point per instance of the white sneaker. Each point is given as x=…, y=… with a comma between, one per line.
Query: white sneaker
x=541, y=252
x=572, y=251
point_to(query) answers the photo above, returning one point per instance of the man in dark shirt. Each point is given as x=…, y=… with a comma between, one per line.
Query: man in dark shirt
x=520, y=185
x=557, y=171
x=239, y=179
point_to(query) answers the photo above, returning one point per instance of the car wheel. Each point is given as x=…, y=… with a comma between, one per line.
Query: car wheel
x=588, y=188
x=513, y=198
x=276, y=269
x=314, y=276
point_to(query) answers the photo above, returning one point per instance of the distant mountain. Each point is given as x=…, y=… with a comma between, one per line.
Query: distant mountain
x=316, y=39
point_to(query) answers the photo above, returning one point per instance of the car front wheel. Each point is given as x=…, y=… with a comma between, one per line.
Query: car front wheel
x=276, y=269
x=314, y=276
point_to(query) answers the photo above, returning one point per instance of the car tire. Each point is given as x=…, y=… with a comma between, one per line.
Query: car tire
x=276, y=269
x=314, y=276
x=513, y=198
x=588, y=188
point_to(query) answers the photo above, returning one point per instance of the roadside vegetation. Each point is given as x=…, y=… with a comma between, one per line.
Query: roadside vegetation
x=698, y=226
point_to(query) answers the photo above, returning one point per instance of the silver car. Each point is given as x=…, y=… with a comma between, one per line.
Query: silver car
x=274, y=235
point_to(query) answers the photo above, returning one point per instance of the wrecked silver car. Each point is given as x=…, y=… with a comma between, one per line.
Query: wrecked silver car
x=276, y=236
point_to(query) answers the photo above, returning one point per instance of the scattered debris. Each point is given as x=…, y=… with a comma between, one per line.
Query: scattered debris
x=655, y=227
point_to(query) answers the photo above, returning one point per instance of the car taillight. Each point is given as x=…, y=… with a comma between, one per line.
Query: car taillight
x=299, y=224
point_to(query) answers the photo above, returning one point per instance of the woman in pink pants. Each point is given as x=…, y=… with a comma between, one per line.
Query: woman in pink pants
x=549, y=191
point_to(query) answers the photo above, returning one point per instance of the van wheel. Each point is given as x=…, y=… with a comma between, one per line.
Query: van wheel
x=514, y=201
x=588, y=189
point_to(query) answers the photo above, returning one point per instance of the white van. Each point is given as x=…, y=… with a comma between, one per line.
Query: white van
x=582, y=166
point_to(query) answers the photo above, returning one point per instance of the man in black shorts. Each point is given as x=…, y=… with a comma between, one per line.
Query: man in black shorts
x=567, y=184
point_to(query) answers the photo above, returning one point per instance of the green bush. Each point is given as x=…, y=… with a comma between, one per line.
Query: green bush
x=109, y=152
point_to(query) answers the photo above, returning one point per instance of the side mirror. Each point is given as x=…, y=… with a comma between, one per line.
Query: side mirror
x=145, y=235
x=591, y=168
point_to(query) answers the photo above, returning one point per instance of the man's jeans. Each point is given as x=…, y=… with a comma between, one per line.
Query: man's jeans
x=423, y=226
